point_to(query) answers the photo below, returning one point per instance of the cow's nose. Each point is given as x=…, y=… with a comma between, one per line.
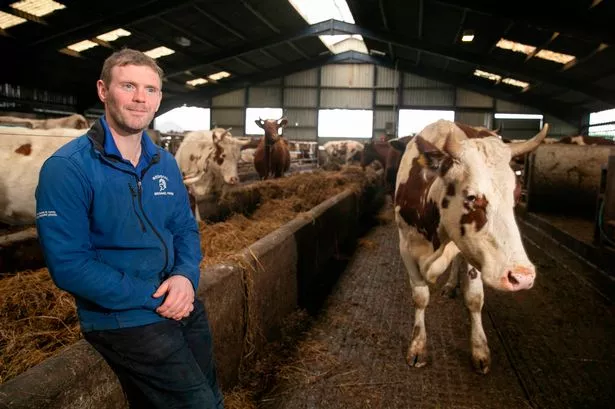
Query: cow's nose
x=233, y=180
x=520, y=277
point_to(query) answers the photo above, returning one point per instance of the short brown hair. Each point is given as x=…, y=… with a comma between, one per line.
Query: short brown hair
x=128, y=56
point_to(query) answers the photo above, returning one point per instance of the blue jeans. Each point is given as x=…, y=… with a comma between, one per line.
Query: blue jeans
x=169, y=364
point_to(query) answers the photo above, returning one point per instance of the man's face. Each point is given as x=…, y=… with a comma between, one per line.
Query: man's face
x=132, y=98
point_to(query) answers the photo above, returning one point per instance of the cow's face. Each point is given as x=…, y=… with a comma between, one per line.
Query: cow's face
x=226, y=155
x=271, y=127
x=369, y=154
x=475, y=202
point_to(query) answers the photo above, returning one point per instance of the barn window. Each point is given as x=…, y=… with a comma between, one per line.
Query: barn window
x=414, y=120
x=253, y=114
x=184, y=119
x=602, y=123
x=345, y=123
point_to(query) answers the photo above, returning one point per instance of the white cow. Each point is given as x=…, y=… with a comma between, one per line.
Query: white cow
x=343, y=152
x=208, y=161
x=247, y=155
x=454, y=200
x=22, y=153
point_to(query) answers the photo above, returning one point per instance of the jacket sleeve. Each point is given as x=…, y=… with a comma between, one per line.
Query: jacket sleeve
x=63, y=199
x=186, y=237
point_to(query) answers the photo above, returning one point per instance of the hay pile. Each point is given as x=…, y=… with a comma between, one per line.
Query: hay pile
x=281, y=201
x=37, y=319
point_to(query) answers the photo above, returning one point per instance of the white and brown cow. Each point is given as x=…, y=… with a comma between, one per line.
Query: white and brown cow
x=22, y=153
x=208, y=162
x=454, y=200
x=343, y=152
x=74, y=121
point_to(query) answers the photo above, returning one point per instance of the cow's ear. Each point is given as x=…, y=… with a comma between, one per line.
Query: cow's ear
x=260, y=123
x=398, y=145
x=282, y=122
x=430, y=157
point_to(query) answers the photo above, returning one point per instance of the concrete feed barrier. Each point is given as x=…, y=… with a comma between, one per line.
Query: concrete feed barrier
x=246, y=302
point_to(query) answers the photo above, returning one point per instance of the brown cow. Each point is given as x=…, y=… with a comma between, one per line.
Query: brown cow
x=272, y=156
x=388, y=155
x=586, y=140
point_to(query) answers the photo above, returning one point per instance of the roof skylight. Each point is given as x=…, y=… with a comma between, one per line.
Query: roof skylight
x=553, y=56
x=197, y=81
x=219, y=75
x=316, y=11
x=38, y=8
x=82, y=46
x=159, y=52
x=8, y=20
x=489, y=75
x=529, y=50
x=113, y=35
x=516, y=47
x=515, y=83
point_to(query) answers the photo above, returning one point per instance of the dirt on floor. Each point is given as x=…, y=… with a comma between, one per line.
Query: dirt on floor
x=551, y=346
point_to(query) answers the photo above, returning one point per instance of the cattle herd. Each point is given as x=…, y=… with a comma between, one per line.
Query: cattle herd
x=452, y=186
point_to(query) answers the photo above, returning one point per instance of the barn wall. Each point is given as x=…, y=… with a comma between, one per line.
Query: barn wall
x=364, y=86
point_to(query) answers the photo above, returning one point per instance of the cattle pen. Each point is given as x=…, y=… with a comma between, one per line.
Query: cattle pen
x=345, y=346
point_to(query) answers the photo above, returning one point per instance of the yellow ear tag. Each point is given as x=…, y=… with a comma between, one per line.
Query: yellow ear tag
x=422, y=160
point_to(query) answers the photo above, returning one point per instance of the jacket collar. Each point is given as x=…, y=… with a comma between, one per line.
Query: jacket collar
x=100, y=135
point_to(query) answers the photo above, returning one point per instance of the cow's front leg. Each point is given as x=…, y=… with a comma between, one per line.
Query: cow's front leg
x=417, y=351
x=472, y=286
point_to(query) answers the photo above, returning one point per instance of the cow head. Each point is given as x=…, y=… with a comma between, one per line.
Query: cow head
x=271, y=127
x=476, y=201
x=216, y=160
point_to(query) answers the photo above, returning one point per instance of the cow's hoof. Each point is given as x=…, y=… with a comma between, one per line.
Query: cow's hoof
x=449, y=291
x=481, y=363
x=416, y=359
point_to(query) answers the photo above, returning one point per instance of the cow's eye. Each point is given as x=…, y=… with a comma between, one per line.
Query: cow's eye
x=223, y=155
x=471, y=199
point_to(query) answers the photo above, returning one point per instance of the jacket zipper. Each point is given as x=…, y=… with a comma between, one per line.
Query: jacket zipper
x=164, y=245
x=134, y=196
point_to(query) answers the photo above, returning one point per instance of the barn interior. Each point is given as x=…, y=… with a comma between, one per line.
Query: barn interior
x=359, y=71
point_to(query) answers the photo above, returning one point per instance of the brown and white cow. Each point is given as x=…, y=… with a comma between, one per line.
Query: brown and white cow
x=74, y=121
x=208, y=162
x=343, y=152
x=454, y=200
x=22, y=153
x=272, y=156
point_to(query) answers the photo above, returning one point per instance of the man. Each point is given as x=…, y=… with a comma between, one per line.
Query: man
x=117, y=233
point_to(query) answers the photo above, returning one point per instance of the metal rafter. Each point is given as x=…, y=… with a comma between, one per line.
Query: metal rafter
x=385, y=23
x=562, y=111
x=579, y=26
x=259, y=16
x=145, y=11
x=450, y=52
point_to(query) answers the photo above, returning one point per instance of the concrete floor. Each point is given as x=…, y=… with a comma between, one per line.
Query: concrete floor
x=552, y=346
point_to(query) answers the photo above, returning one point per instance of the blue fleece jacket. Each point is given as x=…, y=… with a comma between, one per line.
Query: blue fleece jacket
x=112, y=233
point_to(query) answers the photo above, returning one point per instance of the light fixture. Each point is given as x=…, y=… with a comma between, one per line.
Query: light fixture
x=197, y=81
x=159, y=52
x=183, y=41
x=219, y=75
x=488, y=75
x=467, y=36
